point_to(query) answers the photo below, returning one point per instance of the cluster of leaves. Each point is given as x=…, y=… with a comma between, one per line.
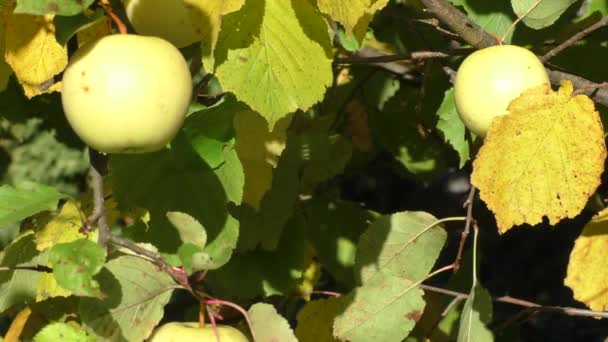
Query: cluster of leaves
x=248, y=192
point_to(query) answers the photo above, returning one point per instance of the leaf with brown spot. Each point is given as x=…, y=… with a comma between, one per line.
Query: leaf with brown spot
x=545, y=158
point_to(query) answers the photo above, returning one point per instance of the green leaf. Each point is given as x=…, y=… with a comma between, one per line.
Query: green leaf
x=19, y=286
x=596, y=6
x=25, y=200
x=210, y=129
x=316, y=319
x=74, y=265
x=5, y=69
x=277, y=59
x=188, y=228
x=264, y=273
x=539, y=14
x=179, y=180
x=268, y=325
x=492, y=16
x=384, y=309
x=334, y=228
x=476, y=314
x=451, y=126
x=404, y=244
x=194, y=259
x=380, y=88
x=62, y=332
x=136, y=295
x=58, y=7
x=67, y=27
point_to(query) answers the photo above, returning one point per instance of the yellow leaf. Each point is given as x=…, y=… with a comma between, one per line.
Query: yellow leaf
x=207, y=18
x=17, y=325
x=354, y=15
x=259, y=150
x=587, y=270
x=96, y=31
x=54, y=228
x=544, y=158
x=32, y=51
x=316, y=319
x=48, y=288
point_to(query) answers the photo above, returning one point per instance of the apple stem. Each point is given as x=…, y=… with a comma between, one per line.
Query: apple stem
x=235, y=306
x=122, y=28
x=213, y=323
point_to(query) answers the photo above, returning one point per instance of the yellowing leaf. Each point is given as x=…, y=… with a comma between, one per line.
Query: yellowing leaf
x=274, y=55
x=5, y=70
x=543, y=159
x=316, y=319
x=258, y=151
x=354, y=15
x=587, y=276
x=32, y=51
x=17, y=325
x=207, y=17
x=96, y=31
x=48, y=288
x=54, y=228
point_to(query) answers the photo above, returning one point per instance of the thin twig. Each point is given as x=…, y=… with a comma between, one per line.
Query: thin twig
x=574, y=39
x=98, y=169
x=122, y=28
x=467, y=227
x=595, y=90
x=570, y=311
x=360, y=58
x=590, y=88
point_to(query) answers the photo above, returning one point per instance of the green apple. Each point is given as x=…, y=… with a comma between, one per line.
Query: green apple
x=167, y=19
x=126, y=93
x=191, y=332
x=489, y=79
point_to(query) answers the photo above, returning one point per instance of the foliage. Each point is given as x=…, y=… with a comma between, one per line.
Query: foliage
x=261, y=204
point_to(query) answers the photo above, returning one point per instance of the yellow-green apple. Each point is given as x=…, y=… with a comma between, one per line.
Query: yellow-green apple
x=191, y=332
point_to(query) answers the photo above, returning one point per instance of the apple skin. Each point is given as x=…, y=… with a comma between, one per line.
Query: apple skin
x=167, y=19
x=190, y=332
x=126, y=93
x=489, y=79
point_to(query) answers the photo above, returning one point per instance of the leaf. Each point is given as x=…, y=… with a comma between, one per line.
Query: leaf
x=5, y=69
x=194, y=258
x=530, y=165
x=539, y=14
x=586, y=274
x=179, y=180
x=258, y=149
x=74, y=265
x=404, y=244
x=451, y=126
x=132, y=308
x=385, y=309
x=67, y=27
x=59, y=7
x=494, y=17
x=32, y=51
x=268, y=325
x=210, y=129
x=476, y=314
x=26, y=200
x=62, y=332
x=279, y=59
x=207, y=18
x=315, y=319
x=353, y=15
x=55, y=228
x=94, y=31
x=188, y=228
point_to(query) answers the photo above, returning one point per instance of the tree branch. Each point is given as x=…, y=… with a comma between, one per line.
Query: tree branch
x=98, y=169
x=570, y=311
x=572, y=40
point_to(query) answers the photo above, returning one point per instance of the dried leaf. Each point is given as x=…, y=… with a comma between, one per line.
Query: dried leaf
x=543, y=159
x=587, y=276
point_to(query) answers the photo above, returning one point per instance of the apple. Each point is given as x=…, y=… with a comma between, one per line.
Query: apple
x=191, y=332
x=126, y=93
x=489, y=79
x=167, y=19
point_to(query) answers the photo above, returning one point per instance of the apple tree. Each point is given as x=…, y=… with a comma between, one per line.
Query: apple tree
x=267, y=170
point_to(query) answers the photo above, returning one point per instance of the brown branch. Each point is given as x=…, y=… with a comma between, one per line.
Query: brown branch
x=467, y=227
x=570, y=311
x=459, y=23
x=371, y=56
x=98, y=169
x=595, y=90
x=574, y=39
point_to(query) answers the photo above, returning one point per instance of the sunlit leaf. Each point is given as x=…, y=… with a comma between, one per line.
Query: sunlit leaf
x=32, y=51
x=587, y=276
x=492, y=16
x=207, y=18
x=188, y=228
x=62, y=332
x=59, y=7
x=451, y=126
x=475, y=315
x=268, y=325
x=539, y=14
x=530, y=165
x=276, y=57
x=353, y=15
x=74, y=265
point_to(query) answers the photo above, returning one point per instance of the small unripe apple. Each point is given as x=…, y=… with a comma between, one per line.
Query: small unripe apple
x=191, y=332
x=126, y=93
x=489, y=79
x=167, y=19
